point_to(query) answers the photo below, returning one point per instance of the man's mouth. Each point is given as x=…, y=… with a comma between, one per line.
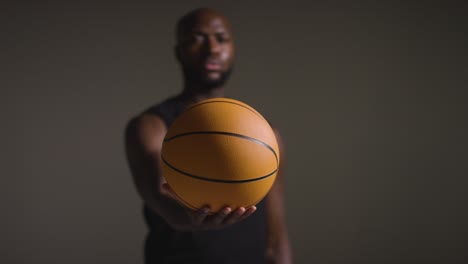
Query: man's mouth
x=212, y=66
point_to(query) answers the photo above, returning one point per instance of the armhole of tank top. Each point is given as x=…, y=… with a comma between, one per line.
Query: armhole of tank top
x=158, y=112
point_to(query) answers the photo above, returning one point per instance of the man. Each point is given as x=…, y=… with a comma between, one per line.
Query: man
x=205, y=51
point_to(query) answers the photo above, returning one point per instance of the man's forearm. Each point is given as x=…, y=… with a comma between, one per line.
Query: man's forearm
x=169, y=209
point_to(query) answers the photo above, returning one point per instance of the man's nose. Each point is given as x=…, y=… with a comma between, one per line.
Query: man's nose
x=212, y=45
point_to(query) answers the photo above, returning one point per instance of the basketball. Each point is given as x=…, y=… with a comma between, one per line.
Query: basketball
x=220, y=152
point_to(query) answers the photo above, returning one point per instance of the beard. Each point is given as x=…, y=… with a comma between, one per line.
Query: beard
x=198, y=79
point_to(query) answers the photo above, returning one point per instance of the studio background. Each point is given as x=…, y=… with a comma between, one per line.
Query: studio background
x=370, y=99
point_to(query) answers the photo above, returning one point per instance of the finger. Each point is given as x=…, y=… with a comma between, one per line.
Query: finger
x=221, y=215
x=201, y=214
x=234, y=216
x=248, y=212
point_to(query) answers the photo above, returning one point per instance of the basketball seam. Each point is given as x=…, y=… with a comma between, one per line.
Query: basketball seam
x=227, y=134
x=221, y=101
x=216, y=180
x=186, y=203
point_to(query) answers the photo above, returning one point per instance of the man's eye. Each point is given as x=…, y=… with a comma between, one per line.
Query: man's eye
x=196, y=39
x=222, y=39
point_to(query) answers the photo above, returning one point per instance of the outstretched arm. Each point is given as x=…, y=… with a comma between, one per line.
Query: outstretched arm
x=143, y=142
x=278, y=248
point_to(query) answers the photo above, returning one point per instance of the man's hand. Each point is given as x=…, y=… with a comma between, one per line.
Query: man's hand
x=202, y=219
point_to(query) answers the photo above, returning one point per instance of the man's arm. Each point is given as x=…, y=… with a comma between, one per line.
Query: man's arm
x=144, y=136
x=278, y=248
x=143, y=141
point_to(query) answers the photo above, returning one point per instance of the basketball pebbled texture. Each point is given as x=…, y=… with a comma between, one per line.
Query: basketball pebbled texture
x=220, y=152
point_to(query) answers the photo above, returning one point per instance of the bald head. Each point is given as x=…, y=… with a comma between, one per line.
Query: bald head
x=188, y=21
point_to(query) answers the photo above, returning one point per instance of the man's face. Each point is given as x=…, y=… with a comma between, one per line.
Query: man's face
x=206, y=50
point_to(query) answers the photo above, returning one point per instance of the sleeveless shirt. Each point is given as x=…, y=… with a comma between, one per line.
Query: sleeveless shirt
x=240, y=243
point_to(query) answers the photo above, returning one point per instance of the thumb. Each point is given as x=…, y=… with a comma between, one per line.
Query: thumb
x=169, y=191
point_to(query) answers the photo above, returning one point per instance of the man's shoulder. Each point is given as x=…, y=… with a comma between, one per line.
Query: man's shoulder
x=161, y=106
x=150, y=113
x=167, y=110
x=144, y=126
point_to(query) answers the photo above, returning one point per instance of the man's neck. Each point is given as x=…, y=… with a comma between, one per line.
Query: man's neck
x=193, y=94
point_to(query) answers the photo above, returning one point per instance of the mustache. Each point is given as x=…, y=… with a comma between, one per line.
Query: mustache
x=191, y=76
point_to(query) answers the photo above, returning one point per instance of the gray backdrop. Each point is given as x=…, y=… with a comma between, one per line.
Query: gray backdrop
x=370, y=99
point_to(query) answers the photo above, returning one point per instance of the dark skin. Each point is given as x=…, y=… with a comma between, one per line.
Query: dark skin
x=205, y=51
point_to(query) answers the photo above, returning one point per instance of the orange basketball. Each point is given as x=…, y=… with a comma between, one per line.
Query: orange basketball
x=220, y=152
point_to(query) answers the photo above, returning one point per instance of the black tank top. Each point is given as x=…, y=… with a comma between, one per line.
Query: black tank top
x=242, y=243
